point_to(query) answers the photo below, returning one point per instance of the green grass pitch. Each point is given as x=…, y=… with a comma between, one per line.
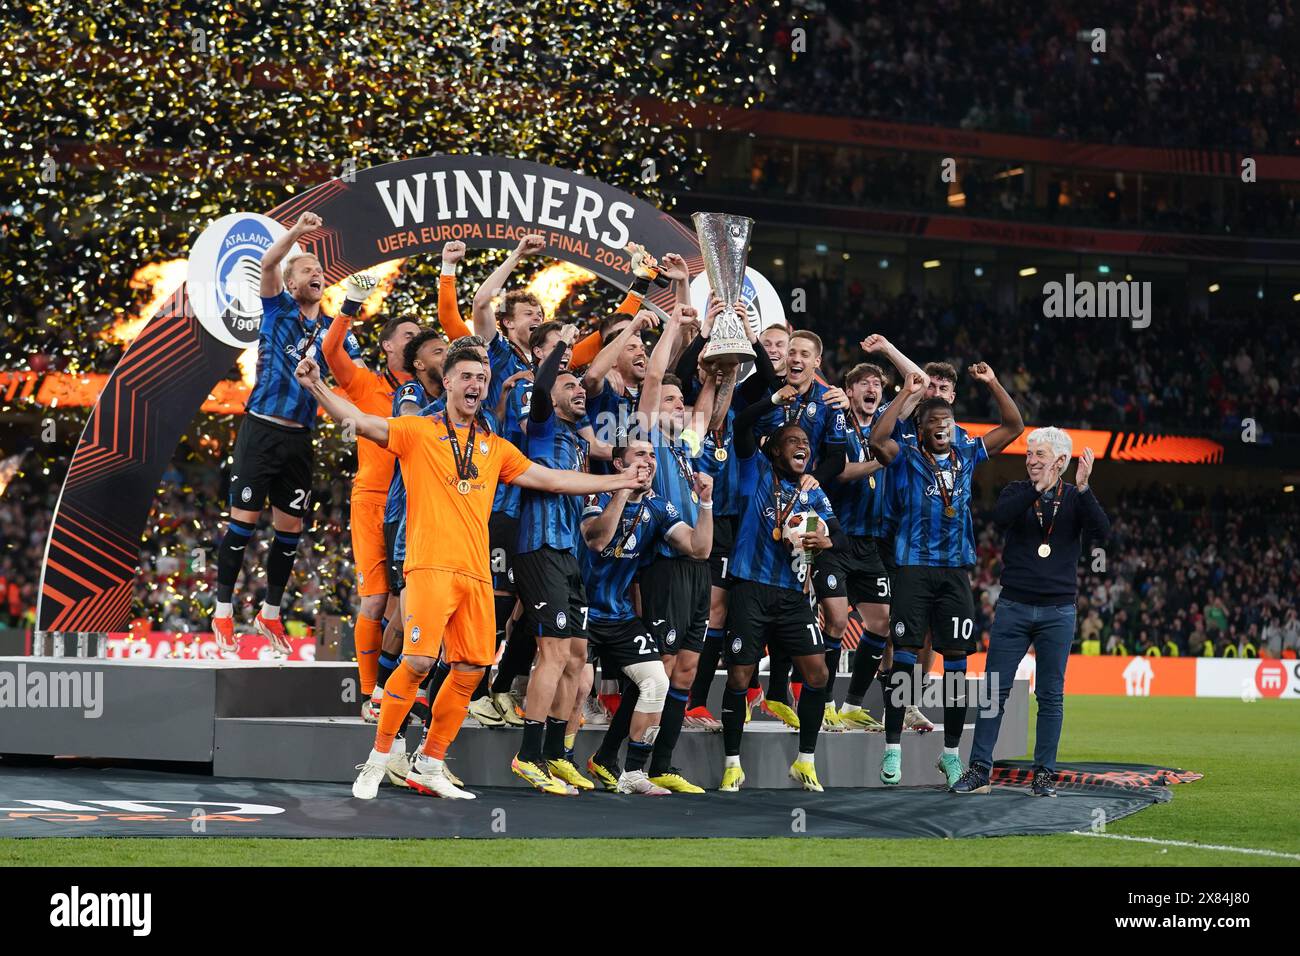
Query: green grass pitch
x=1247, y=752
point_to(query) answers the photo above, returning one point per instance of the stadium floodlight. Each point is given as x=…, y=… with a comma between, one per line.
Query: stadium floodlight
x=979, y=271
x=931, y=264
x=1214, y=287
x=1028, y=271
x=884, y=263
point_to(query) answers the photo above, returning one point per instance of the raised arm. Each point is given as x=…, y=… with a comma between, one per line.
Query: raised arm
x=485, y=320
x=657, y=367
x=336, y=356
x=541, y=408
x=272, y=281
x=339, y=408
x=883, y=447
x=594, y=378
x=355, y=290
x=748, y=419
x=598, y=530
x=1010, y=424
x=905, y=366
x=764, y=380
x=448, y=308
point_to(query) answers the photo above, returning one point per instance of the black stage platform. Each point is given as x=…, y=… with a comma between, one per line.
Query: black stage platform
x=61, y=801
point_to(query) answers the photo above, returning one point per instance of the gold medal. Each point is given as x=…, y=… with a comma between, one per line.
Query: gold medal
x=720, y=454
x=776, y=533
x=618, y=552
x=463, y=486
x=949, y=512
x=1044, y=550
x=871, y=482
x=695, y=497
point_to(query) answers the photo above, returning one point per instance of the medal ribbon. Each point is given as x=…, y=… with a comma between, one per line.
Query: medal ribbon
x=781, y=513
x=857, y=429
x=683, y=465
x=465, y=469
x=1056, y=506
x=636, y=520
x=938, y=476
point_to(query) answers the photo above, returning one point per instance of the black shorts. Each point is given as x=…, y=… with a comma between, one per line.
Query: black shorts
x=503, y=538
x=396, y=577
x=552, y=593
x=675, y=596
x=934, y=600
x=781, y=619
x=724, y=538
x=856, y=573
x=275, y=460
x=619, y=644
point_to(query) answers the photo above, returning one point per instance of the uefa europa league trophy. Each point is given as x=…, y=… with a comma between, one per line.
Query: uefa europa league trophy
x=724, y=244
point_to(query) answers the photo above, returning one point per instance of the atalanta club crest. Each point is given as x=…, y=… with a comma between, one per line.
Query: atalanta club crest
x=223, y=280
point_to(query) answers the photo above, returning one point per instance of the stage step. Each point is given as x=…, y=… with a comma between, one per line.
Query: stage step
x=328, y=749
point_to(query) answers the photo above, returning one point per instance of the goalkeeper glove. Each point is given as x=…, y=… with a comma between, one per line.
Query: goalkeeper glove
x=356, y=289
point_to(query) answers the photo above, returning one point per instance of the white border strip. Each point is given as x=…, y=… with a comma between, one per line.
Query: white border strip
x=1194, y=846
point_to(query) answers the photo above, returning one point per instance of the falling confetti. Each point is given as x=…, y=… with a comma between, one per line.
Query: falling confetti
x=127, y=131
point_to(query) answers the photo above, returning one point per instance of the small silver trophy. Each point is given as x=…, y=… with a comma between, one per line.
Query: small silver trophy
x=724, y=244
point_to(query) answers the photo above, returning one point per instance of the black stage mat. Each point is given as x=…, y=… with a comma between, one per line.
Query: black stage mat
x=90, y=801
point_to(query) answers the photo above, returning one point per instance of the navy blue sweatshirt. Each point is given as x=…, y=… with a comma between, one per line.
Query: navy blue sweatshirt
x=1031, y=579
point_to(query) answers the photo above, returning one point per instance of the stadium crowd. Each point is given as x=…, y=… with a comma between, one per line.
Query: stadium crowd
x=1173, y=74
x=1183, y=566
x=1185, y=373
x=840, y=175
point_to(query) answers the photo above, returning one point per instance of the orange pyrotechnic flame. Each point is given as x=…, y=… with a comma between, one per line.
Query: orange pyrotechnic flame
x=554, y=283
x=160, y=279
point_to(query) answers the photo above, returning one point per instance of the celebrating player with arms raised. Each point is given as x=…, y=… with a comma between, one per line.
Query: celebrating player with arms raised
x=786, y=518
x=935, y=547
x=273, y=453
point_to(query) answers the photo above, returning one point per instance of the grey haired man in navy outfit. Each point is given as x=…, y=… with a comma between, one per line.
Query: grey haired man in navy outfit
x=1045, y=522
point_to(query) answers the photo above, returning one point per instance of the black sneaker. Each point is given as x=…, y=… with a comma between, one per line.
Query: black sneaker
x=1044, y=784
x=974, y=780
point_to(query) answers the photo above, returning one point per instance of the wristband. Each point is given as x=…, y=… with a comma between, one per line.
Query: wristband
x=449, y=269
x=706, y=505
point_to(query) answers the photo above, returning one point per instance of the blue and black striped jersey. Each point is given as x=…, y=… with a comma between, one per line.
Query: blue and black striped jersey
x=824, y=425
x=756, y=555
x=504, y=360
x=284, y=339
x=411, y=392
x=547, y=520
x=674, y=481
x=608, y=573
x=860, y=504
x=925, y=535
x=725, y=473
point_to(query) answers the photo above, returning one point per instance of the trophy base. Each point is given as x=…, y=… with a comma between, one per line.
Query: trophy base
x=727, y=348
